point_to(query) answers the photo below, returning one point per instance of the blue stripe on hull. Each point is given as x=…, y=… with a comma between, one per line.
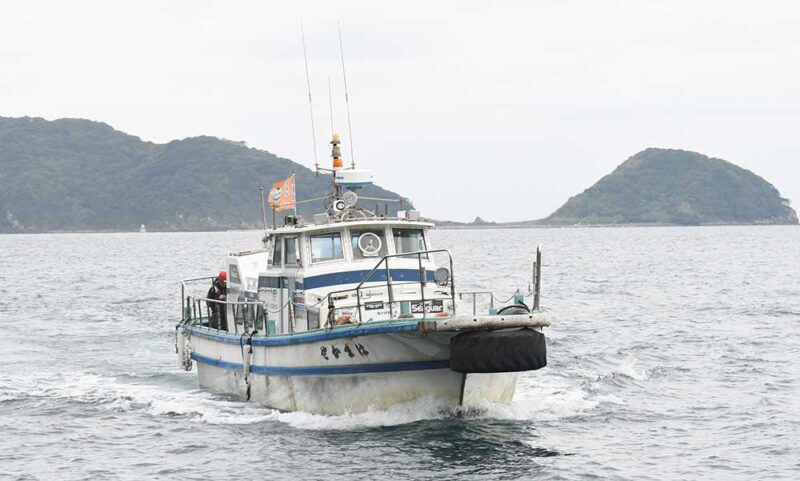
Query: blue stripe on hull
x=310, y=336
x=326, y=370
x=354, y=277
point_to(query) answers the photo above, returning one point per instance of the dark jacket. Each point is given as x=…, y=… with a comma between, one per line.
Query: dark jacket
x=217, y=290
x=217, y=312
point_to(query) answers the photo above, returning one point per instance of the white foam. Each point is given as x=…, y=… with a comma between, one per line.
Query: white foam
x=402, y=413
x=109, y=393
x=610, y=399
x=538, y=398
x=629, y=367
x=545, y=396
x=547, y=405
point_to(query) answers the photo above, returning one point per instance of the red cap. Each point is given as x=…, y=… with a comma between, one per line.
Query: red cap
x=223, y=276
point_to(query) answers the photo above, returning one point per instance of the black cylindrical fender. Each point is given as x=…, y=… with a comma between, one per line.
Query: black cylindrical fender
x=498, y=351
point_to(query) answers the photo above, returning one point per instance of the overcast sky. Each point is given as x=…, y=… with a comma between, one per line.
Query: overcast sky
x=497, y=109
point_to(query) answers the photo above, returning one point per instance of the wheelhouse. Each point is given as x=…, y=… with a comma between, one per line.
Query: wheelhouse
x=323, y=275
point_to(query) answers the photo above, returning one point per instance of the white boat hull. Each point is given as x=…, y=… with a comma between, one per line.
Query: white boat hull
x=334, y=373
x=339, y=394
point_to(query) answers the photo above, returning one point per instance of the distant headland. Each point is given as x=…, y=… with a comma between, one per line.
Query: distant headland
x=81, y=175
x=76, y=175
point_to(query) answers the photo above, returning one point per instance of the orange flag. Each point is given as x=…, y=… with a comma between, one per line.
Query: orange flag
x=281, y=195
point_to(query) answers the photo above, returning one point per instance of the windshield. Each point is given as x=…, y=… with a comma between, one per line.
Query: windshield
x=277, y=253
x=326, y=247
x=409, y=240
x=291, y=251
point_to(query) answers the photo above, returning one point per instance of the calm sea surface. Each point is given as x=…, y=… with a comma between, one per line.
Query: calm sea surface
x=675, y=354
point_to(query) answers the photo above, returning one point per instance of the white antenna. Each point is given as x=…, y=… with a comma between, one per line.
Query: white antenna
x=330, y=104
x=346, y=99
x=310, y=104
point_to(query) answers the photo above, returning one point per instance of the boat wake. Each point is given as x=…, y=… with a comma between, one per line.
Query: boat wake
x=541, y=397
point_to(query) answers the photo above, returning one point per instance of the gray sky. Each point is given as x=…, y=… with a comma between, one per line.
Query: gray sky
x=497, y=109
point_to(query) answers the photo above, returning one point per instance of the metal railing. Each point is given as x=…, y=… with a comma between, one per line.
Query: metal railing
x=192, y=306
x=534, y=288
x=184, y=297
x=390, y=284
x=250, y=313
x=537, y=277
x=475, y=295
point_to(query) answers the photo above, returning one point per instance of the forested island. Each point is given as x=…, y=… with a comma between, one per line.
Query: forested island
x=676, y=187
x=81, y=175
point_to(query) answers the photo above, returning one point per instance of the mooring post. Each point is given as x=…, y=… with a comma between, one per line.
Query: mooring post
x=538, y=280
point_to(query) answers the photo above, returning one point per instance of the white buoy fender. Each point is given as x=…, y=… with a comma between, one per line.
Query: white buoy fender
x=187, y=353
x=184, y=344
x=246, y=351
x=180, y=345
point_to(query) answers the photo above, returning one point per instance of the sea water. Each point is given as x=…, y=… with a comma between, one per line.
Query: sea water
x=674, y=354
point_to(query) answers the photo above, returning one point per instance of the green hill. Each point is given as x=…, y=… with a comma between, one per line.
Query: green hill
x=74, y=174
x=665, y=186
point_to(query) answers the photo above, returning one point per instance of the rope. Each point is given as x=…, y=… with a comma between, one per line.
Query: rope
x=495, y=298
x=501, y=301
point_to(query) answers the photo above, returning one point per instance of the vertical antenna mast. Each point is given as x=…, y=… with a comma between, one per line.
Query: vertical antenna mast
x=330, y=104
x=346, y=99
x=310, y=104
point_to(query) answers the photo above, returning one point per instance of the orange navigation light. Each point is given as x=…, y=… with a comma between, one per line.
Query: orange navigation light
x=336, y=152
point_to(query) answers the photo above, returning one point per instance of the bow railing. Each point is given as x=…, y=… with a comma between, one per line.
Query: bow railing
x=383, y=265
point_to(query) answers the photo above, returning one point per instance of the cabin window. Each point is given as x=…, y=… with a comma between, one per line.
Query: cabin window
x=409, y=240
x=368, y=243
x=277, y=253
x=326, y=247
x=292, y=254
x=233, y=274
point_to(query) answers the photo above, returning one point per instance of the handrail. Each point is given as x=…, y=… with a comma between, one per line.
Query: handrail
x=388, y=256
x=190, y=302
x=534, y=289
x=217, y=301
x=183, y=292
x=184, y=281
x=258, y=313
x=474, y=295
x=423, y=280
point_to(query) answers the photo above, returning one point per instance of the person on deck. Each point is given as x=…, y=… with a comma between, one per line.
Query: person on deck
x=217, y=318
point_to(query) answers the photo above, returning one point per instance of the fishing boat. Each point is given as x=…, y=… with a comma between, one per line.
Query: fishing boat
x=355, y=310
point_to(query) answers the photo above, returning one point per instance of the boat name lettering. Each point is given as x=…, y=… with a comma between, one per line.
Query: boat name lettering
x=360, y=349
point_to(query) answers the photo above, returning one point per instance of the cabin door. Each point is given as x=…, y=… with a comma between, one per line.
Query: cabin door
x=270, y=291
x=285, y=314
x=293, y=302
x=279, y=305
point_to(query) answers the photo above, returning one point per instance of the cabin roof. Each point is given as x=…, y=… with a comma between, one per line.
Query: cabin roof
x=338, y=225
